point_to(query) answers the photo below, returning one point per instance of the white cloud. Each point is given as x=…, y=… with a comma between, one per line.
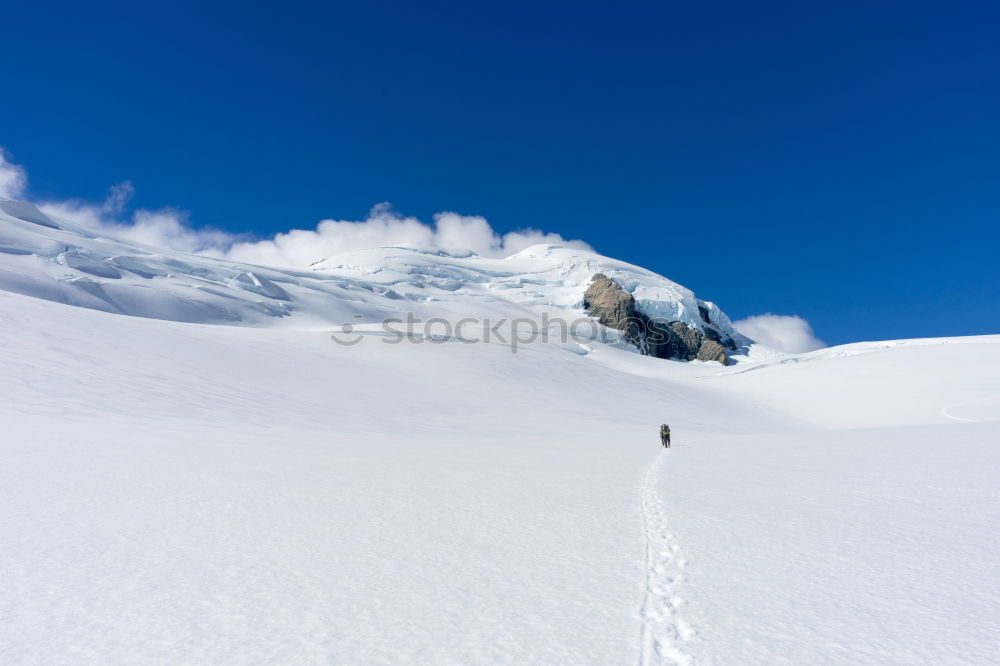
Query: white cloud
x=12, y=178
x=118, y=197
x=169, y=228
x=165, y=228
x=385, y=227
x=787, y=333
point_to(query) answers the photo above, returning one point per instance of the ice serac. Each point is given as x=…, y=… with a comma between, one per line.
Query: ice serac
x=613, y=306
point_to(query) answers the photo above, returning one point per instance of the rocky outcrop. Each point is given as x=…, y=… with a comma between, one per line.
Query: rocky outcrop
x=710, y=350
x=606, y=301
x=677, y=340
x=689, y=339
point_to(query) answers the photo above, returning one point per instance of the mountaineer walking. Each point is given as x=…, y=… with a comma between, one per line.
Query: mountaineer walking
x=665, y=435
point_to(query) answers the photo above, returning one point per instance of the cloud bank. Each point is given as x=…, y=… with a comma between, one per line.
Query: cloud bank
x=165, y=228
x=384, y=226
x=787, y=333
x=170, y=228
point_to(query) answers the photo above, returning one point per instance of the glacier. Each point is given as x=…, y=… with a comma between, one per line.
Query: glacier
x=193, y=471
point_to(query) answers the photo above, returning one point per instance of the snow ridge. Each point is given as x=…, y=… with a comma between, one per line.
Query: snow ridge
x=663, y=633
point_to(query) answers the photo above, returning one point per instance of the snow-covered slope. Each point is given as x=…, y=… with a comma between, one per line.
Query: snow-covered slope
x=188, y=493
x=56, y=260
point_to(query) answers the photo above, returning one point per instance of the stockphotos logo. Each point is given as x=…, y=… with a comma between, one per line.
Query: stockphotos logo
x=516, y=332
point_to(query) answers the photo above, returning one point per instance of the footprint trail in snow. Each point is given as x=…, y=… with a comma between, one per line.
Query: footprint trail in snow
x=664, y=633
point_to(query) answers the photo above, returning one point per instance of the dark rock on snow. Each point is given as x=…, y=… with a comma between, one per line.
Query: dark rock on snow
x=711, y=350
x=606, y=301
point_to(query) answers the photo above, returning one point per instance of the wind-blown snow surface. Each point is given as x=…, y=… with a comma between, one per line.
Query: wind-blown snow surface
x=184, y=493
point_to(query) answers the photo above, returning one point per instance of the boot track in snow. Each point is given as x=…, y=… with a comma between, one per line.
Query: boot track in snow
x=663, y=633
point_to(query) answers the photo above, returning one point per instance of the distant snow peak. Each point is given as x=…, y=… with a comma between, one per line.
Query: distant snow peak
x=45, y=256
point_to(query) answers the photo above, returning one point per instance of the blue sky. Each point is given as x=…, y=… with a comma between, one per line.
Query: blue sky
x=838, y=162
